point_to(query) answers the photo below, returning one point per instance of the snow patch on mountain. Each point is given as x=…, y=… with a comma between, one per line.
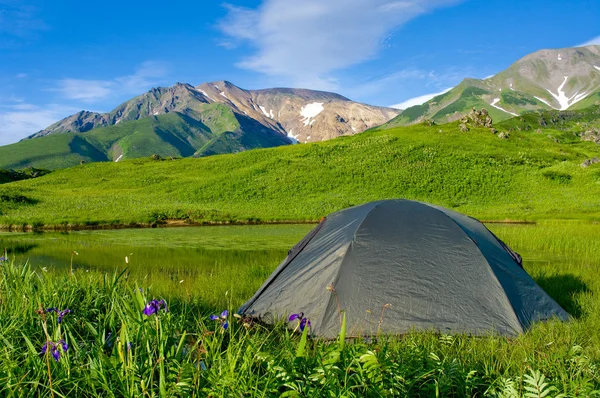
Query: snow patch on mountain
x=119, y=158
x=495, y=101
x=597, y=67
x=564, y=101
x=264, y=111
x=559, y=57
x=310, y=111
x=206, y=95
x=292, y=137
x=223, y=94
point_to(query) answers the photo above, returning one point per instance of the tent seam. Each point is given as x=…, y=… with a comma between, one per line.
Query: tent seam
x=337, y=276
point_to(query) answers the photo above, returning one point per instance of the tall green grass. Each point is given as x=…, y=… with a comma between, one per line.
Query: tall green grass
x=116, y=350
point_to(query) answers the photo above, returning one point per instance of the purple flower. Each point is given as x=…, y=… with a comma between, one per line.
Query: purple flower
x=222, y=319
x=55, y=348
x=61, y=314
x=296, y=316
x=3, y=259
x=154, y=306
x=302, y=321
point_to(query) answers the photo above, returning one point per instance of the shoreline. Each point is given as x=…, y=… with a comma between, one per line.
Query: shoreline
x=165, y=224
x=182, y=223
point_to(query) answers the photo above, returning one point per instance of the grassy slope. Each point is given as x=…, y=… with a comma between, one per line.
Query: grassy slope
x=527, y=176
x=172, y=134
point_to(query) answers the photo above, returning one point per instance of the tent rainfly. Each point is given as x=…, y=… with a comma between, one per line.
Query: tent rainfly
x=395, y=266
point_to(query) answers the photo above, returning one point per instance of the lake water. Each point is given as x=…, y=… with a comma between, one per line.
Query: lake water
x=195, y=262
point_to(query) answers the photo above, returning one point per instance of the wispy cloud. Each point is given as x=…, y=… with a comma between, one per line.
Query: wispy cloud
x=20, y=120
x=594, y=41
x=418, y=100
x=306, y=41
x=149, y=74
x=410, y=80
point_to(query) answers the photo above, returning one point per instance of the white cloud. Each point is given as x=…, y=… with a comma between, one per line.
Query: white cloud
x=594, y=41
x=21, y=120
x=86, y=90
x=306, y=41
x=147, y=75
x=418, y=100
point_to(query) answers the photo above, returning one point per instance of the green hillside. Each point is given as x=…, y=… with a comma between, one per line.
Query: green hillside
x=174, y=134
x=527, y=176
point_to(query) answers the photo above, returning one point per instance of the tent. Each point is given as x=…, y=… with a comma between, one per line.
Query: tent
x=399, y=265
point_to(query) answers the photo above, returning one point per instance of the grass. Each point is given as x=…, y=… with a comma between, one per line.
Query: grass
x=115, y=350
x=475, y=173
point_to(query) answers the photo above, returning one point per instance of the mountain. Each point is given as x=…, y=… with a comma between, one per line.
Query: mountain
x=561, y=79
x=183, y=121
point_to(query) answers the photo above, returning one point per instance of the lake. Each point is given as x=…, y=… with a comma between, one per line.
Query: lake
x=192, y=262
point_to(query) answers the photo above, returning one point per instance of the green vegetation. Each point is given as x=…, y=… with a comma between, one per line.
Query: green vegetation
x=113, y=347
x=573, y=122
x=476, y=173
x=18, y=175
x=170, y=135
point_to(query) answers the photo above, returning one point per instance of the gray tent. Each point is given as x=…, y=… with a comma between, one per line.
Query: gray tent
x=437, y=269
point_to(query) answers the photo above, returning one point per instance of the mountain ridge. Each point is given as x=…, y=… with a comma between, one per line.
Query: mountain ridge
x=551, y=79
x=264, y=105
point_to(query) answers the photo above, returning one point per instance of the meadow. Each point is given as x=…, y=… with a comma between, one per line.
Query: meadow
x=115, y=348
x=528, y=176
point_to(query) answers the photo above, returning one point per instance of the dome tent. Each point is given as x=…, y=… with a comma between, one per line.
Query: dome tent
x=437, y=269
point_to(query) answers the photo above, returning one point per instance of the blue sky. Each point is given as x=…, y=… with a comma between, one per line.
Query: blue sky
x=59, y=57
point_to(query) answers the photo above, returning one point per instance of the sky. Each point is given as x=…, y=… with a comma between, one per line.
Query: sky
x=59, y=57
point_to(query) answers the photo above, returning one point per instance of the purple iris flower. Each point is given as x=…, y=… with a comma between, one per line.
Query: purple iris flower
x=61, y=314
x=296, y=316
x=302, y=321
x=55, y=348
x=222, y=319
x=3, y=259
x=154, y=306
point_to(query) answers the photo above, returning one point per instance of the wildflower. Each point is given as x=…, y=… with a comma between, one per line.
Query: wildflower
x=55, y=348
x=222, y=319
x=302, y=321
x=154, y=306
x=61, y=314
x=3, y=259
